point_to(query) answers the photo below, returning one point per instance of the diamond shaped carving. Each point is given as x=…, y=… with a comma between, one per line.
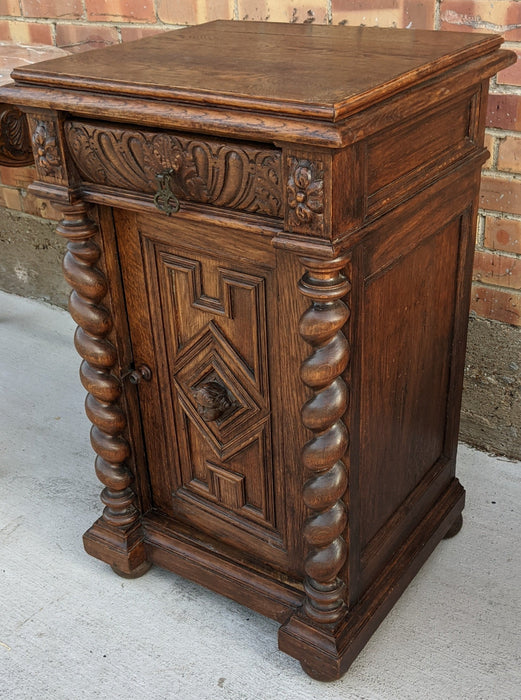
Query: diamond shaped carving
x=209, y=360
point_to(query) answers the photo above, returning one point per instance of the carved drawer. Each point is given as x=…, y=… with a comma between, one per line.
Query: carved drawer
x=227, y=174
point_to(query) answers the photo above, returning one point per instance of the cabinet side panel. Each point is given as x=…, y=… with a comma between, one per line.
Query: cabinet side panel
x=407, y=328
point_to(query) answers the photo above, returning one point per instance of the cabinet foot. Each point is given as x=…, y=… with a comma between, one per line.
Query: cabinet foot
x=318, y=674
x=122, y=548
x=325, y=652
x=135, y=573
x=455, y=527
x=316, y=647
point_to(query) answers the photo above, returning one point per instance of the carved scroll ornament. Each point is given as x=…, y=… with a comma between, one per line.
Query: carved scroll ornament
x=211, y=172
x=15, y=143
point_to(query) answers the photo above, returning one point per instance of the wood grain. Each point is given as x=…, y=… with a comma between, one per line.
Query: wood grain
x=250, y=68
x=236, y=176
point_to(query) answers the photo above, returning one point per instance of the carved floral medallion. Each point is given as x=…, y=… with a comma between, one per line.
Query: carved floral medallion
x=45, y=149
x=305, y=193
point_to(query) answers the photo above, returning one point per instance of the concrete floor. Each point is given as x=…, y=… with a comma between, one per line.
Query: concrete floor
x=71, y=629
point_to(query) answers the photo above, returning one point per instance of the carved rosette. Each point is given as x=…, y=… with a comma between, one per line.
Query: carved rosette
x=326, y=285
x=305, y=193
x=45, y=150
x=99, y=361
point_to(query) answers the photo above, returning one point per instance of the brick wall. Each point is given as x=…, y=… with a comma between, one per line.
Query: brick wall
x=80, y=25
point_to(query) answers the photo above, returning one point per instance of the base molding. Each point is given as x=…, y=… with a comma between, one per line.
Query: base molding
x=123, y=549
x=326, y=653
x=180, y=549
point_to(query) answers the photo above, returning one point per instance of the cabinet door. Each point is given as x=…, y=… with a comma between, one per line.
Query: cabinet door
x=201, y=305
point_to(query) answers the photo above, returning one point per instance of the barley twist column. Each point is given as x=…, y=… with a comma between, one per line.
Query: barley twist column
x=89, y=287
x=321, y=326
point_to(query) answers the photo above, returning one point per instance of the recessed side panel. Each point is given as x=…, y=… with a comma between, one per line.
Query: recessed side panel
x=414, y=154
x=407, y=330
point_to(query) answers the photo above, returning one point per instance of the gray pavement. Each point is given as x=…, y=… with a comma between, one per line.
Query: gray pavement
x=71, y=629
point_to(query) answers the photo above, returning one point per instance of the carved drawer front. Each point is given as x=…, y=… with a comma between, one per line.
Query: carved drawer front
x=231, y=175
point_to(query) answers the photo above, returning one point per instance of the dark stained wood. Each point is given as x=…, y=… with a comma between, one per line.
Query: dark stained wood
x=271, y=288
x=264, y=126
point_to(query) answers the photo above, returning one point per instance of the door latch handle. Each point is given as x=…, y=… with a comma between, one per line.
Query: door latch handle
x=143, y=373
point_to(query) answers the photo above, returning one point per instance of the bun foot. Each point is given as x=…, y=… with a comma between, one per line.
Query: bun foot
x=319, y=673
x=135, y=573
x=455, y=527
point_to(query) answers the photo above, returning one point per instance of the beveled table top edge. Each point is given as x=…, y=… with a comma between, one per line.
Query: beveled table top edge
x=88, y=76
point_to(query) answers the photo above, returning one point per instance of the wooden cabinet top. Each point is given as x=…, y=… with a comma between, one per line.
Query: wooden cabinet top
x=319, y=71
x=264, y=81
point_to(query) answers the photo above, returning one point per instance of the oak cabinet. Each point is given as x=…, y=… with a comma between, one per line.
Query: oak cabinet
x=270, y=249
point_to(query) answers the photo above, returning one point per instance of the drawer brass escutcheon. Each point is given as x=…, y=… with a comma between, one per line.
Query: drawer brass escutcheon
x=164, y=199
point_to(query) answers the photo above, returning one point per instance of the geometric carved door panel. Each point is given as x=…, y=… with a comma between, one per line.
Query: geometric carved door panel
x=213, y=398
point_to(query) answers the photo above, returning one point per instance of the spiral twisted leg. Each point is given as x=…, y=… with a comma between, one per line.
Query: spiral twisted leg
x=321, y=327
x=89, y=289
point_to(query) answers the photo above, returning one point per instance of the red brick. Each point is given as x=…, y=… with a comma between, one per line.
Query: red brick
x=512, y=74
x=120, y=10
x=497, y=269
x=497, y=304
x=382, y=13
x=40, y=207
x=167, y=12
x=400, y=13
x=309, y=13
x=509, y=157
x=489, y=145
x=504, y=112
x=10, y=197
x=503, y=234
x=500, y=194
x=482, y=16
x=84, y=37
x=52, y=9
x=5, y=32
x=26, y=32
x=449, y=27
x=10, y=8
x=365, y=5
x=194, y=11
x=133, y=33
x=17, y=177
x=272, y=11
x=419, y=15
